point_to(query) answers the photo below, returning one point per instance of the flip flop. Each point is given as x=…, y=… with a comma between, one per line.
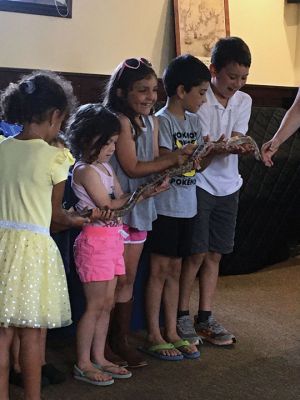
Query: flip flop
x=84, y=376
x=107, y=369
x=181, y=345
x=154, y=351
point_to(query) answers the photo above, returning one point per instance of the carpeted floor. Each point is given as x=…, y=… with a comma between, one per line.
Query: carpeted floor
x=262, y=308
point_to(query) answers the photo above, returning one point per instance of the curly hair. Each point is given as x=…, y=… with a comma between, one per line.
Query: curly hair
x=34, y=96
x=89, y=129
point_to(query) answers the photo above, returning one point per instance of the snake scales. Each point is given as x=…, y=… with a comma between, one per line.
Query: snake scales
x=200, y=153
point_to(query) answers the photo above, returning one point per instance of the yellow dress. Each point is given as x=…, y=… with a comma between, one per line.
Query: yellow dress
x=33, y=288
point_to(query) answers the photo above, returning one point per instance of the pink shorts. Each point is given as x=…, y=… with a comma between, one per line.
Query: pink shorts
x=98, y=253
x=134, y=235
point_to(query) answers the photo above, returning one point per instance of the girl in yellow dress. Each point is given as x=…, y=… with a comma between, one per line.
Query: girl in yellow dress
x=33, y=289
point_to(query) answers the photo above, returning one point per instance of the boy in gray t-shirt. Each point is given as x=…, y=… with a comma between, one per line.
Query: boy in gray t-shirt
x=186, y=80
x=175, y=132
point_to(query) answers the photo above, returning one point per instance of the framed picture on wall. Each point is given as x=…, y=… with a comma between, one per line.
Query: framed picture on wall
x=198, y=25
x=53, y=8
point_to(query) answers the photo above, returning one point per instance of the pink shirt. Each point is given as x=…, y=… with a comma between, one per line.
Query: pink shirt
x=85, y=202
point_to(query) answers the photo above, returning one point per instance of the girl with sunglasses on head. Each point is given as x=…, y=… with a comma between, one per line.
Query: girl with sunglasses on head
x=132, y=92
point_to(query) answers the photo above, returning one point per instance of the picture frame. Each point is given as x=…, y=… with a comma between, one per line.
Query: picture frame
x=199, y=24
x=53, y=8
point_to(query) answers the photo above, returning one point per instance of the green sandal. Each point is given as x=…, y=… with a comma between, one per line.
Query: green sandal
x=155, y=351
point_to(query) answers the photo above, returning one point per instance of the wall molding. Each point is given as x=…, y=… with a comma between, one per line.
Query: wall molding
x=90, y=87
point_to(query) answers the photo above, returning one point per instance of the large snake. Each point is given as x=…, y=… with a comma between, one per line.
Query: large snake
x=200, y=153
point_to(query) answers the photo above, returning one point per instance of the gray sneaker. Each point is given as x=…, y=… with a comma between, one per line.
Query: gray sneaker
x=213, y=332
x=186, y=330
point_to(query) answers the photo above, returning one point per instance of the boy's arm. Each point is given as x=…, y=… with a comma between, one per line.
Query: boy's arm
x=204, y=114
x=240, y=126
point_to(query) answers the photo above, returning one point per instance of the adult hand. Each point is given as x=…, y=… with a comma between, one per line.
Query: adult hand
x=268, y=150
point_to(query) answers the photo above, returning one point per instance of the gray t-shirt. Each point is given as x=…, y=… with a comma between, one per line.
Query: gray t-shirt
x=143, y=213
x=180, y=200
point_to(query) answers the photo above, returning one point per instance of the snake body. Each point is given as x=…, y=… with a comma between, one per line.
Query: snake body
x=202, y=151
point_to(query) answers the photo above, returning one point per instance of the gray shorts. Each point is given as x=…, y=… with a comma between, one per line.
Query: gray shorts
x=214, y=224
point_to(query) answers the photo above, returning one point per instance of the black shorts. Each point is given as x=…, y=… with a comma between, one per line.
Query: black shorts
x=214, y=224
x=171, y=236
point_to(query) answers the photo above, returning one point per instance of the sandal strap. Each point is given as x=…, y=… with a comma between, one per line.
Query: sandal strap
x=81, y=372
x=162, y=346
x=181, y=343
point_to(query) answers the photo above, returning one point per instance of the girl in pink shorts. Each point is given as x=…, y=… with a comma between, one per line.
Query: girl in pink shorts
x=98, y=250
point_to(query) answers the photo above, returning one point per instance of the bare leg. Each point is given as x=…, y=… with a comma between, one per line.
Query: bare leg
x=6, y=338
x=170, y=298
x=99, y=339
x=15, y=352
x=208, y=278
x=160, y=266
x=102, y=325
x=43, y=346
x=95, y=293
x=30, y=362
x=123, y=308
x=15, y=349
x=188, y=275
x=213, y=332
x=132, y=254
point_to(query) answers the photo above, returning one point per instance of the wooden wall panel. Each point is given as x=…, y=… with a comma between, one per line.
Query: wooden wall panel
x=90, y=87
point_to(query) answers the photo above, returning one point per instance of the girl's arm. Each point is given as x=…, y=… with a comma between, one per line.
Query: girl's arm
x=61, y=218
x=118, y=192
x=86, y=176
x=155, y=138
x=126, y=153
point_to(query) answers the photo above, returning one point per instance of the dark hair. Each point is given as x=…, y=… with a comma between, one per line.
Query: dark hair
x=123, y=78
x=230, y=50
x=185, y=70
x=31, y=99
x=60, y=139
x=89, y=129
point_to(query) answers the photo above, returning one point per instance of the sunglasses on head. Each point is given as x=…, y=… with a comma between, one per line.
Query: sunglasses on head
x=133, y=63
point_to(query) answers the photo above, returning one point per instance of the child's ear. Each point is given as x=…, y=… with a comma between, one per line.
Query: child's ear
x=180, y=91
x=54, y=117
x=213, y=70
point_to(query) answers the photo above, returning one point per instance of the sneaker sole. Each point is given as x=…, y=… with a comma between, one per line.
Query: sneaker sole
x=194, y=341
x=217, y=342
